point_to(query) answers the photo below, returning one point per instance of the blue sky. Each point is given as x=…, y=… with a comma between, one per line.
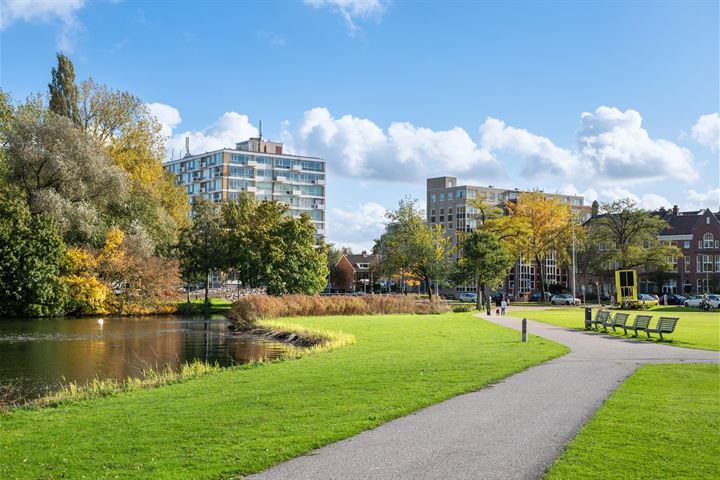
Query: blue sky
x=607, y=99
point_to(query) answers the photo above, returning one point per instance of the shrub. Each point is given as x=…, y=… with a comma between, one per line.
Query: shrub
x=248, y=310
x=463, y=307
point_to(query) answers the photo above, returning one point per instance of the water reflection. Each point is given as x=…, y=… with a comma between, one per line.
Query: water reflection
x=36, y=354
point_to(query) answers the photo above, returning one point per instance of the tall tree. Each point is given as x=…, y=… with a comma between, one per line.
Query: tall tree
x=64, y=173
x=549, y=224
x=31, y=254
x=485, y=261
x=625, y=234
x=411, y=246
x=63, y=90
x=200, y=246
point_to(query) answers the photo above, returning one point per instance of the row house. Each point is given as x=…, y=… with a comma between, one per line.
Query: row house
x=355, y=273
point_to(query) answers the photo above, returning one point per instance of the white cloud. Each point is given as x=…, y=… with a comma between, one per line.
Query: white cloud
x=648, y=201
x=45, y=11
x=589, y=195
x=697, y=200
x=356, y=228
x=357, y=147
x=543, y=158
x=706, y=131
x=225, y=132
x=169, y=117
x=351, y=10
x=614, y=147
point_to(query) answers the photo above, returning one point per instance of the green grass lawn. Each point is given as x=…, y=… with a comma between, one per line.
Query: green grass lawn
x=694, y=330
x=663, y=423
x=242, y=420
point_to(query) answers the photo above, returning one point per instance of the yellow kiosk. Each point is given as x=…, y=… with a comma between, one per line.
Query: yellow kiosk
x=626, y=284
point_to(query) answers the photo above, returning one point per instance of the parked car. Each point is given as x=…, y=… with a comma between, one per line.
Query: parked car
x=448, y=296
x=647, y=299
x=696, y=301
x=535, y=297
x=675, y=299
x=468, y=297
x=564, y=299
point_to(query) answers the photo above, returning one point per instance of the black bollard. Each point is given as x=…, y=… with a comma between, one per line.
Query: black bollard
x=524, y=330
x=487, y=305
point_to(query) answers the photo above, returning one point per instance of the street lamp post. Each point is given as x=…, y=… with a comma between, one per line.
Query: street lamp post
x=573, y=258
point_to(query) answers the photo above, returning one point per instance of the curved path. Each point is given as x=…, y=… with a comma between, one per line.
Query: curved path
x=513, y=429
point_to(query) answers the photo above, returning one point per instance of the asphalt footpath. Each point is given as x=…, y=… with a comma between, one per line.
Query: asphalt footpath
x=510, y=430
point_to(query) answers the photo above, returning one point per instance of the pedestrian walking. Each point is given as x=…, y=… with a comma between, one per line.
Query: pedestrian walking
x=664, y=302
x=612, y=301
x=503, y=307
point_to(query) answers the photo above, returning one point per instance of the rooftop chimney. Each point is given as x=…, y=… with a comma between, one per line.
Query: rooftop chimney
x=676, y=210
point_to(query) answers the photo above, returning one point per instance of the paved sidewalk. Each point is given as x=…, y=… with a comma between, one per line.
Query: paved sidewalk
x=510, y=430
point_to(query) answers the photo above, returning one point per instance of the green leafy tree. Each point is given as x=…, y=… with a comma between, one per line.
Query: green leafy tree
x=411, y=246
x=64, y=173
x=485, y=261
x=31, y=255
x=63, y=90
x=200, y=246
x=625, y=234
x=302, y=268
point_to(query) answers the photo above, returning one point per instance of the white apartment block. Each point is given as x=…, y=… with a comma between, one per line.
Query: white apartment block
x=260, y=168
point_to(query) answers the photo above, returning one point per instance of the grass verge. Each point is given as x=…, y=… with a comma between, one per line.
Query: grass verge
x=664, y=422
x=694, y=330
x=243, y=420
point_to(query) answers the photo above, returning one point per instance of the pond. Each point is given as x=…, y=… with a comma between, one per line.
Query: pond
x=37, y=355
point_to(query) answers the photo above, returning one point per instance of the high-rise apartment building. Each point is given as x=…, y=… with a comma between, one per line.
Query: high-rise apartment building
x=448, y=206
x=258, y=167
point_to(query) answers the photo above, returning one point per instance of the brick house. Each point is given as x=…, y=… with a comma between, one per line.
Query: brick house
x=355, y=273
x=697, y=235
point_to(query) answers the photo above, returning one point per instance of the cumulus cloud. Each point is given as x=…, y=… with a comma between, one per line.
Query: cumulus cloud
x=706, y=131
x=614, y=146
x=709, y=199
x=357, y=147
x=543, y=158
x=45, y=11
x=225, y=132
x=356, y=228
x=352, y=10
x=169, y=117
x=648, y=201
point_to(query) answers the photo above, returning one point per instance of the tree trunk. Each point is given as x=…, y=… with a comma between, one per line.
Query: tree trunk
x=187, y=290
x=480, y=289
x=207, y=281
x=429, y=290
x=541, y=267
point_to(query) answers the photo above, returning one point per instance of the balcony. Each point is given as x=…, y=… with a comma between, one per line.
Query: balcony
x=320, y=231
x=280, y=178
x=251, y=189
x=319, y=182
x=297, y=168
x=252, y=163
x=296, y=193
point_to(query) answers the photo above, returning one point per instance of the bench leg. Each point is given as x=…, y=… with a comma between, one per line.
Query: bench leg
x=625, y=331
x=648, y=334
x=661, y=337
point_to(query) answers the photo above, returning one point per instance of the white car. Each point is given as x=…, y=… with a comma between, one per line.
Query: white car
x=564, y=299
x=468, y=297
x=696, y=300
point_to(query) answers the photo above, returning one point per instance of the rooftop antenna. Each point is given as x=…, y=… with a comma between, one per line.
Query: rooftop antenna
x=172, y=155
x=260, y=134
x=187, y=146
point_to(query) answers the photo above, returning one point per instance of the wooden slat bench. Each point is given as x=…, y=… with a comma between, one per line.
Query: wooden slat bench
x=600, y=318
x=664, y=325
x=641, y=322
x=619, y=320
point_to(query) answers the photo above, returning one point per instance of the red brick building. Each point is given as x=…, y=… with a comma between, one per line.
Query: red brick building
x=697, y=235
x=355, y=273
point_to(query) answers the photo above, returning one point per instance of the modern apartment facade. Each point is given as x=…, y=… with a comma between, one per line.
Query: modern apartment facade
x=448, y=206
x=258, y=167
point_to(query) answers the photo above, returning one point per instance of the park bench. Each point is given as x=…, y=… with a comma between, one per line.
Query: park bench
x=600, y=317
x=641, y=322
x=664, y=325
x=619, y=320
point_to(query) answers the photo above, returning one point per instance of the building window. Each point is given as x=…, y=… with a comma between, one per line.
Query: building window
x=707, y=220
x=717, y=263
x=450, y=196
x=708, y=240
x=432, y=219
x=432, y=197
x=687, y=264
x=687, y=244
x=699, y=264
x=459, y=194
x=442, y=197
x=673, y=264
x=707, y=263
